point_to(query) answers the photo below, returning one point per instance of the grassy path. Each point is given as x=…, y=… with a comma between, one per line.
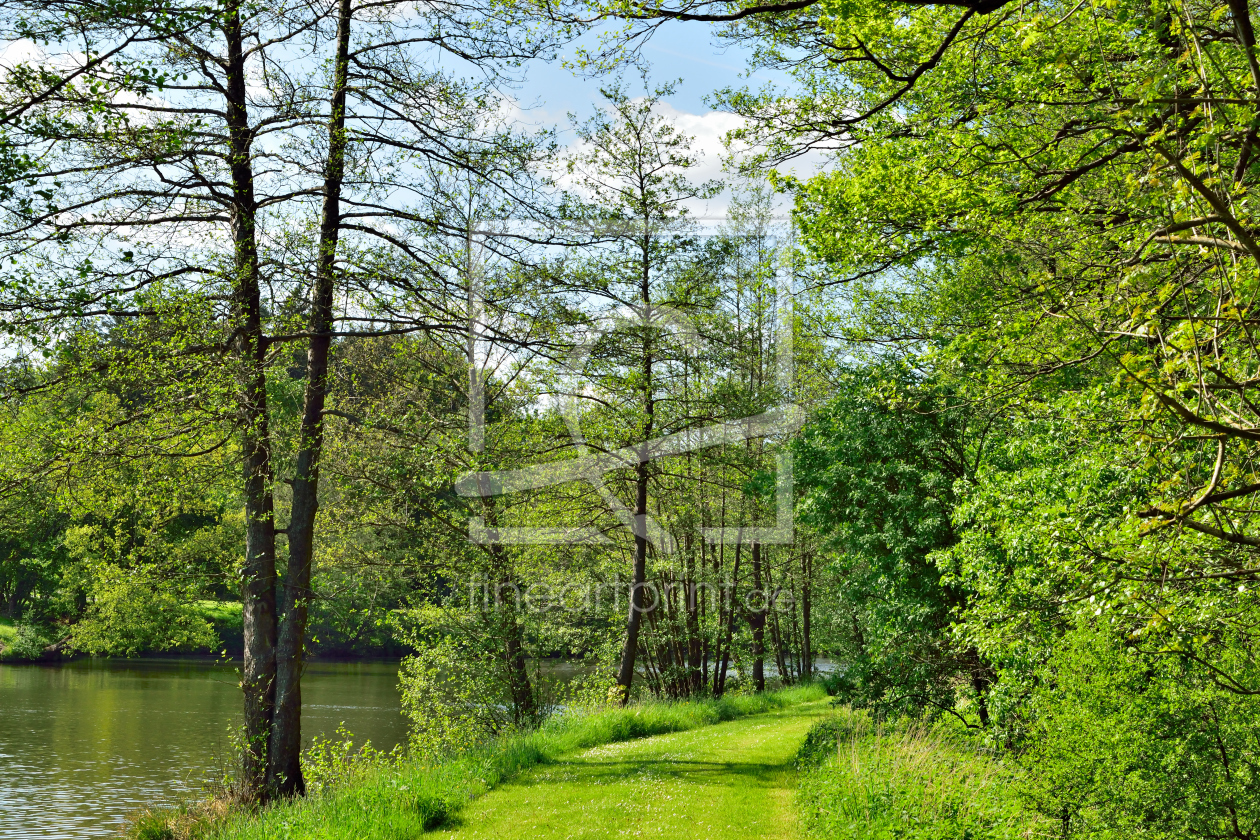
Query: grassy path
x=731, y=780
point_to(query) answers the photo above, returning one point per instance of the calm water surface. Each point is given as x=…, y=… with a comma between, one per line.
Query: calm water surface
x=85, y=743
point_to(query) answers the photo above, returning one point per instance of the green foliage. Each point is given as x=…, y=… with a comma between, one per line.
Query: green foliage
x=909, y=781
x=115, y=553
x=26, y=643
x=1129, y=742
x=32, y=555
x=827, y=736
x=134, y=611
x=151, y=825
x=881, y=467
x=1055, y=238
x=227, y=620
x=464, y=685
x=335, y=761
x=451, y=701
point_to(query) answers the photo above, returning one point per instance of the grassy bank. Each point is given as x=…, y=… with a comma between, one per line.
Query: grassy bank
x=399, y=800
x=24, y=642
x=7, y=631
x=913, y=781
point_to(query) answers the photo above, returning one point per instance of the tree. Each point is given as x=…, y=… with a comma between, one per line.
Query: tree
x=176, y=194
x=882, y=468
x=632, y=167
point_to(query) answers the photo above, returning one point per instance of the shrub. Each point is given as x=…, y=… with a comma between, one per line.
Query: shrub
x=827, y=736
x=334, y=762
x=152, y=825
x=1135, y=744
x=912, y=783
x=459, y=689
x=28, y=643
x=136, y=610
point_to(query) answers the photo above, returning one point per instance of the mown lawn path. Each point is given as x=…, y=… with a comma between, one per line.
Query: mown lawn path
x=732, y=780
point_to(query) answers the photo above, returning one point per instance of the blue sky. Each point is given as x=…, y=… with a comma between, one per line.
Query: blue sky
x=678, y=51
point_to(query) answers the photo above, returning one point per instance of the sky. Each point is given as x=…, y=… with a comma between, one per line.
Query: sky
x=680, y=51
x=677, y=50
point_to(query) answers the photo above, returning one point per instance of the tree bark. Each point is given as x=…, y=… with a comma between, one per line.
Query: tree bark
x=258, y=587
x=807, y=651
x=520, y=690
x=524, y=705
x=695, y=674
x=703, y=607
x=776, y=632
x=284, y=765
x=724, y=648
x=757, y=621
x=625, y=672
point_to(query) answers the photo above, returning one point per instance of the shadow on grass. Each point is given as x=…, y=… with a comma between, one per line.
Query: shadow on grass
x=604, y=770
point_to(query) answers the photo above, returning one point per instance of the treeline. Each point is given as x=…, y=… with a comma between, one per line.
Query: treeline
x=265, y=267
x=293, y=315
x=1038, y=476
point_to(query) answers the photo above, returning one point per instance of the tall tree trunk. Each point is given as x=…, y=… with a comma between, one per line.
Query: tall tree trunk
x=520, y=690
x=695, y=676
x=795, y=644
x=724, y=649
x=625, y=672
x=807, y=652
x=719, y=562
x=776, y=632
x=702, y=620
x=757, y=621
x=258, y=586
x=284, y=765
x=524, y=704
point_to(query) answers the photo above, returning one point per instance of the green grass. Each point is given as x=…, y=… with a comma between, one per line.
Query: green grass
x=733, y=780
x=7, y=631
x=220, y=612
x=914, y=782
x=402, y=801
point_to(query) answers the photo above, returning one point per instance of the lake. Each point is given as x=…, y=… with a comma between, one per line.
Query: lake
x=85, y=743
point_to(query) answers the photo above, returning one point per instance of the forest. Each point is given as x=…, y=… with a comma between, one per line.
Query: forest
x=314, y=345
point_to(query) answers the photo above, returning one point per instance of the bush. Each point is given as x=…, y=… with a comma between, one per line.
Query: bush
x=28, y=644
x=460, y=688
x=151, y=825
x=1136, y=744
x=909, y=783
x=839, y=684
x=335, y=762
x=136, y=611
x=154, y=828
x=827, y=737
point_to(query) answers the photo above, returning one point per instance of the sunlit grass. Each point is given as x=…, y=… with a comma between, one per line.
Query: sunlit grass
x=226, y=612
x=7, y=631
x=864, y=782
x=732, y=781
x=402, y=800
